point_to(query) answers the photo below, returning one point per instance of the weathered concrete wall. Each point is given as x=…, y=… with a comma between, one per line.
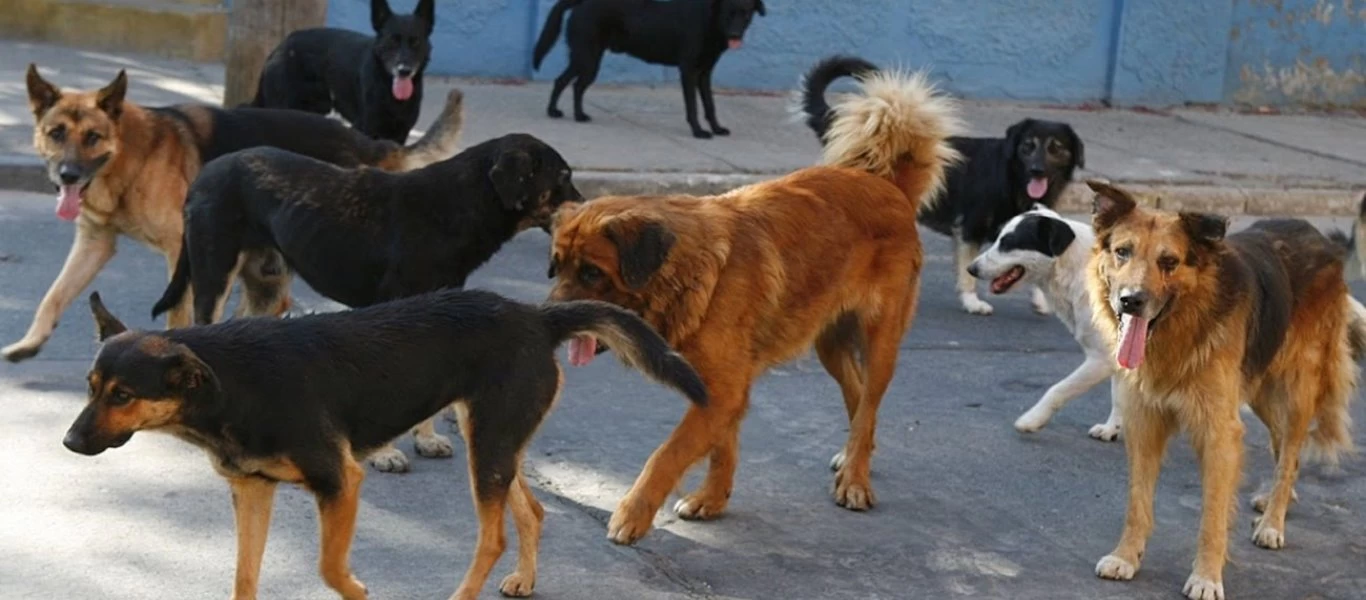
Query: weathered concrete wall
x=1131, y=52
x=1309, y=52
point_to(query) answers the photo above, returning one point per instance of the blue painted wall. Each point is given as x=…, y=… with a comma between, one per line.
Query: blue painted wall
x=1153, y=52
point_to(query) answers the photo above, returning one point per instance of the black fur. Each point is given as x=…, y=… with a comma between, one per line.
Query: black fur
x=305, y=389
x=990, y=186
x=688, y=34
x=364, y=236
x=322, y=69
x=1045, y=235
x=640, y=256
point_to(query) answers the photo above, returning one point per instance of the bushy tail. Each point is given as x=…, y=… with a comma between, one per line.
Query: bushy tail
x=180, y=282
x=809, y=100
x=1332, y=433
x=441, y=140
x=896, y=126
x=554, y=20
x=634, y=341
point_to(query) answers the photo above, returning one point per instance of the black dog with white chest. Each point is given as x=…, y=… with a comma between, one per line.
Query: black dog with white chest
x=997, y=179
x=375, y=83
x=688, y=34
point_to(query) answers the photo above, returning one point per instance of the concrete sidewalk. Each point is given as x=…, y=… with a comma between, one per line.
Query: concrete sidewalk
x=639, y=143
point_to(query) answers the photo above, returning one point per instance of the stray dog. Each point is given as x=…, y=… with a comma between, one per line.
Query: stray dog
x=998, y=178
x=1262, y=315
x=688, y=34
x=363, y=236
x=124, y=169
x=828, y=256
x=302, y=400
x=375, y=83
x=1043, y=249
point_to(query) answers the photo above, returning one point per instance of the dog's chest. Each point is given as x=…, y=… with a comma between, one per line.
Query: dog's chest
x=229, y=460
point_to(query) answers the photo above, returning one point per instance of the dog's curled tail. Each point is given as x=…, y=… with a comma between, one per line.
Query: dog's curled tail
x=554, y=21
x=897, y=127
x=634, y=341
x=180, y=282
x=809, y=99
x=1331, y=436
x=442, y=139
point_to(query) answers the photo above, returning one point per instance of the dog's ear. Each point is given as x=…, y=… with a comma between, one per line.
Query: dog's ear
x=1205, y=229
x=426, y=10
x=41, y=94
x=759, y=7
x=1057, y=236
x=642, y=247
x=511, y=176
x=110, y=97
x=106, y=324
x=1015, y=134
x=1078, y=148
x=190, y=376
x=1110, y=205
x=380, y=14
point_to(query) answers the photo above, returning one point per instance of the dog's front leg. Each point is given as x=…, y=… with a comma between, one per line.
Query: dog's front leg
x=337, y=519
x=963, y=253
x=709, y=104
x=689, y=76
x=1219, y=447
x=91, y=250
x=1092, y=371
x=252, y=498
x=1145, y=441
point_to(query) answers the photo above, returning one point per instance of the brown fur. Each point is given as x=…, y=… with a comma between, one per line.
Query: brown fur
x=143, y=164
x=1263, y=315
x=827, y=256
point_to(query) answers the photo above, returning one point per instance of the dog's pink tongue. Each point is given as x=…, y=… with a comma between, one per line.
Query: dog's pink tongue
x=69, y=202
x=1133, y=340
x=735, y=43
x=582, y=349
x=403, y=87
x=1038, y=186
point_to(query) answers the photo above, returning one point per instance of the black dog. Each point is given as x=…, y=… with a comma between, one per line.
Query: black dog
x=302, y=400
x=362, y=236
x=374, y=82
x=998, y=178
x=688, y=34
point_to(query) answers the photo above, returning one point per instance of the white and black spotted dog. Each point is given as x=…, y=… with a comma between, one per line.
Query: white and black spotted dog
x=1041, y=248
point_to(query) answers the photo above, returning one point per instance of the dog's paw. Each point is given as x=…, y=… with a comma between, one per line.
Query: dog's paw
x=698, y=507
x=837, y=461
x=582, y=117
x=853, y=493
x=975, y=305
x=1105, y=432
x=1203, y=588
x=1114, y=567
x=434, y=446
x=719, y=130
x=1033, y=420
x=631, y=521
x=1040, y=303
x=21, y=350
x=701, y=134
x=1260, y=501
x=554, y=113
x=517, y=585
x=389, y=460
x=1267, y=537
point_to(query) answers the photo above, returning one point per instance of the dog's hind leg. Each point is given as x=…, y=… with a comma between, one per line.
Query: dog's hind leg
x=337, y=521
x=389, y=459
x=963, y=253
x=429, y=443
x=708, y=103
x=553, y=109
x=1289, y=424
x=1092, y=371
x=838, y=348
x=90, y=251
x=265, y=285
x=252, y=498
x=1145, y=441
x=586, y=64
x=853, y=488
x=527, y=515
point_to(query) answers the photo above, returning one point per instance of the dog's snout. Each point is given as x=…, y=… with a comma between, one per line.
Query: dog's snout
x=68, y=173
x=972, y=269
x=404, y=71
x=1036, y=171
x=76, y=442
x=1133, y=303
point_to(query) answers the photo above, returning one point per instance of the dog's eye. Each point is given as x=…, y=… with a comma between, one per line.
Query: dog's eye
x=119, y=398
x=589, y=274
x=92, y=138
x=57, y=134
x=1055, y=147
x=1123, y=253
x=1028, y=146
x=1167, y=263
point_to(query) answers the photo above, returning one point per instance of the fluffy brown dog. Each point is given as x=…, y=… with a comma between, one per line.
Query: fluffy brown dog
x=1200, y=321
x=749, y=279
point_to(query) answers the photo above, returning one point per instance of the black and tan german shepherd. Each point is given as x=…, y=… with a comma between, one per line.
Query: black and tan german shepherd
x=302, y=400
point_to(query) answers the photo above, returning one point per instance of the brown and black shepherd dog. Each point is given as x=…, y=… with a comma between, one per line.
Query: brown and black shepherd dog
x=1261, y=316
x=124, y=169
x=827, y=256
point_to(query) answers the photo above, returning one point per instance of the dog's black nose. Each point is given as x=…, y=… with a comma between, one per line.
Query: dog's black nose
x=1133, y=303
x=69, y=174
x=1036, y=171
x=972, y=269
x=74, y=442
x=405, y=71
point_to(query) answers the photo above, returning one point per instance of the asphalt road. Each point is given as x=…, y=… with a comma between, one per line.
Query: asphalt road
x=968, y=507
